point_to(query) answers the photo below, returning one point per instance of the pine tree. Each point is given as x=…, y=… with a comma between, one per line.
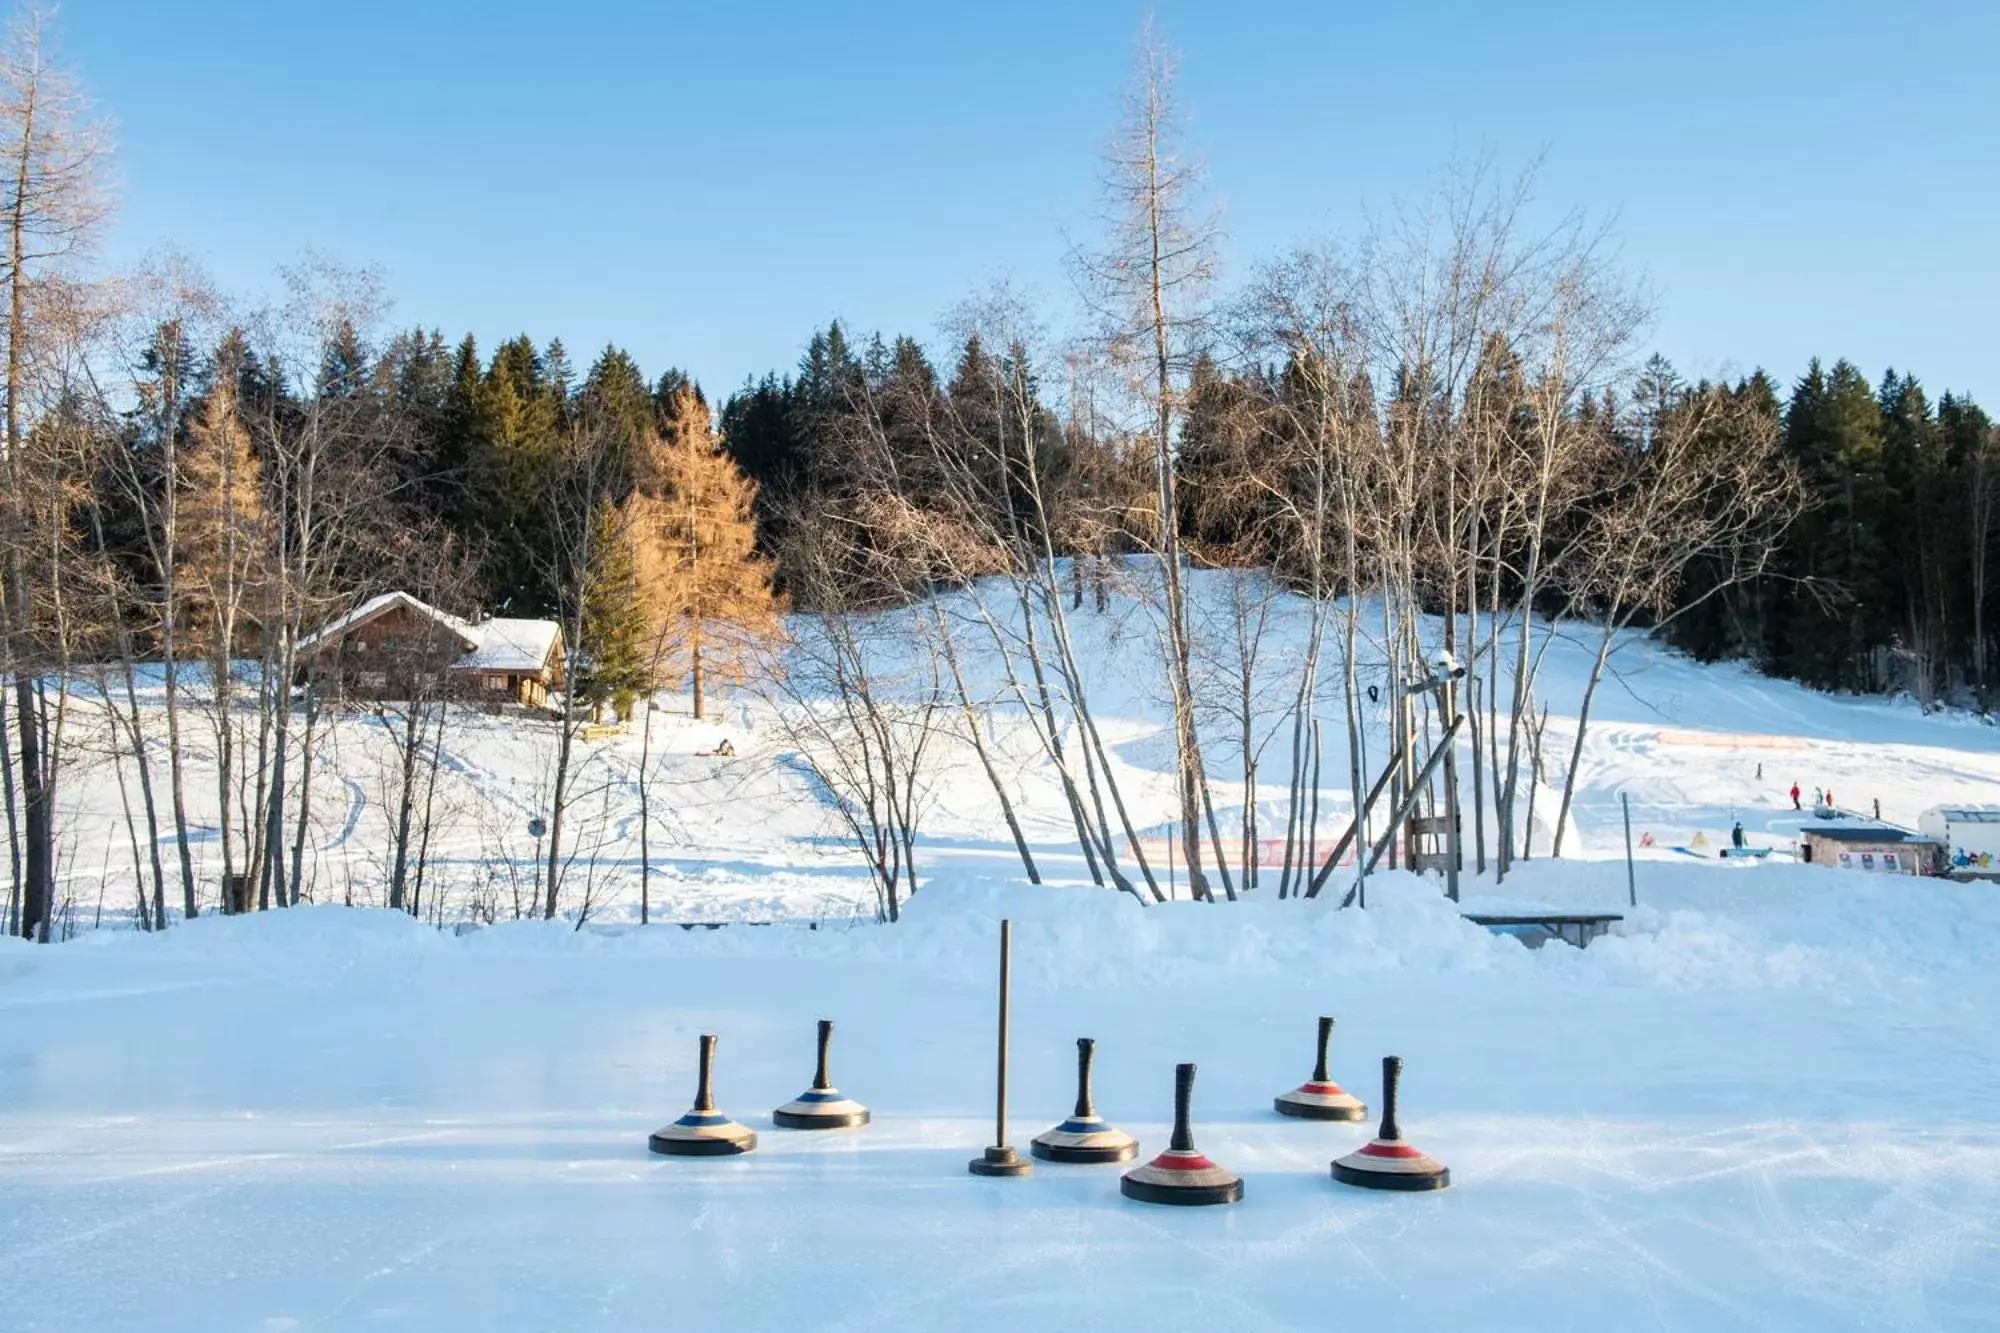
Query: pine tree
x=517, y=424
x=707, y=589
x=612, y=665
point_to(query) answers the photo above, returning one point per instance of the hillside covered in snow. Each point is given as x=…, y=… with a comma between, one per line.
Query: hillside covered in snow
x=759, y=833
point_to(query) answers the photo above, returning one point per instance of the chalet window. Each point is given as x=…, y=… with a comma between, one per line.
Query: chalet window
x=496, y=683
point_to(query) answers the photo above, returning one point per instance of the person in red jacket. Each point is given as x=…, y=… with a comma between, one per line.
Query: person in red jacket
x=1795, y=797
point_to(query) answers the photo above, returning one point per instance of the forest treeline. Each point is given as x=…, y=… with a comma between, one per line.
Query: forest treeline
x=1880, y=584
x=1450, y=426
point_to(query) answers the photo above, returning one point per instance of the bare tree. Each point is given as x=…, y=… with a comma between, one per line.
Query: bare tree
x=52, y=204
x=861, y=722
x=585, y=522
x=1150, y=284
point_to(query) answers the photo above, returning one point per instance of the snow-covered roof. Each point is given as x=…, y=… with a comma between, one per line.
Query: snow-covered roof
x=1966, y=814
x=375, y=606
x=490, y=645
x=510, y=645
x=1850, y=832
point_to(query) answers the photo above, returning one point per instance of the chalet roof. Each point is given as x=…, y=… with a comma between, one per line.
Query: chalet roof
x=490, y=645
x=510, y=645
x=387, y=601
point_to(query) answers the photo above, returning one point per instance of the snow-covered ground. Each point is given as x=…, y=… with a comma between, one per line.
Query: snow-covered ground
x=1773, y=1104
x=755, y=836
x=1770, y=1101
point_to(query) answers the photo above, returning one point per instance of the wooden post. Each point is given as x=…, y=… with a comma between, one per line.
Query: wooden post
x=1001, y=1160
x=1631, y=878
x=1451, y=788
x=1000, y=1097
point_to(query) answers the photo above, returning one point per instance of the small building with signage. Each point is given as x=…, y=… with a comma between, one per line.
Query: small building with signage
x=1877, y=848
x=1971, y=837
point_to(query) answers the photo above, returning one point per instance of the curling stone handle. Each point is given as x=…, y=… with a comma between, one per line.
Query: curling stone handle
x=1086, y=1051
x=1392, y=1074
x=1183, y=1140
x=1325, y=1036
x=820, y=1080
x=704, y=1099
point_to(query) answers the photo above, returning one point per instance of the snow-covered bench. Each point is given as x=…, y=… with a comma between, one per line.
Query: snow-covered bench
x=1537, y=928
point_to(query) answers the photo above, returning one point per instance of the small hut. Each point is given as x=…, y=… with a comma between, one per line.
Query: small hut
x=1878, y=848
x=397, y=647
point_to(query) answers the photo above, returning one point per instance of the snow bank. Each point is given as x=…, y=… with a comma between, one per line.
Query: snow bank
x=1697, y=927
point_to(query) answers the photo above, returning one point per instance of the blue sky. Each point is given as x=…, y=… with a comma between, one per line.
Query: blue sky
x=704, y=184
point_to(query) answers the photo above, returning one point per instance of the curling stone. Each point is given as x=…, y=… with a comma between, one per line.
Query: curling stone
x=1320, y=1098
x=703, y=1131
x=1388, y=1163
x=1084, y=1137
x=1181, y=1175
x=821, y=1106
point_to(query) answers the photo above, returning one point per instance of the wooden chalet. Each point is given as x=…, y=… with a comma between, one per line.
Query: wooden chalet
x=395, y=647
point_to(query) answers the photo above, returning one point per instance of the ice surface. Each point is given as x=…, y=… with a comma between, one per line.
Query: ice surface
x=1782, y=1114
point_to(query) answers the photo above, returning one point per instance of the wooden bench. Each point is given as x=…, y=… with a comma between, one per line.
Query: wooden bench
x=1536, y=929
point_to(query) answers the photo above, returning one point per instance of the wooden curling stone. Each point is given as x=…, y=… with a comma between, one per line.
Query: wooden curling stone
x=821, y=1106
x=703, y=1131
x=1084, y=1137
x=1320, y=1098
x=1181, y=1175
x=1387, y=1162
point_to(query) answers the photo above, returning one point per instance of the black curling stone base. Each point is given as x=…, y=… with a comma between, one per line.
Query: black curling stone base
x=1181, y=1176
x=820, y=1108
x=702, y=1134
x=702, y=1147
x=1056, y=1152
x=819, y=1120
x=1084, y=1139
x=1423, y=1174
x=1000, y=1162
x=1183, y=1195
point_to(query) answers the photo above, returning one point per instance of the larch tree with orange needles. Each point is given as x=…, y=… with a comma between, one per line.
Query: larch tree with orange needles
x=706, y=586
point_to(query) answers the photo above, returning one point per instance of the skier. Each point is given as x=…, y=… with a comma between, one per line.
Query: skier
x=1795, y=797
x=1736, y=836
x=725, y=750
x=1829, y=799
x=1878, y=809
x=1760, y=772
